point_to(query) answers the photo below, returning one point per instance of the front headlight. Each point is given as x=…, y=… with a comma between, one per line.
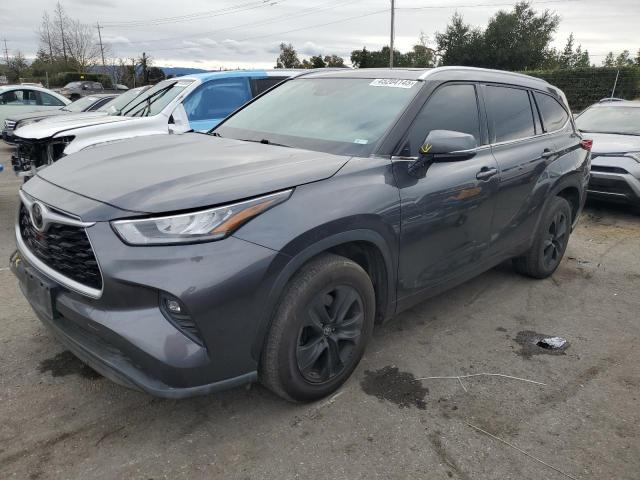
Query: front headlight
x=634, y=155
x=203, y=226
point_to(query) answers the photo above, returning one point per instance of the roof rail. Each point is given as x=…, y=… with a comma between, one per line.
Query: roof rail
x=611, y=99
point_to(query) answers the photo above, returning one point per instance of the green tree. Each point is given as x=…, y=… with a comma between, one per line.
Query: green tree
x=288, y=57
x=520, y=39
x=333, y=61
x=609, y=60
x=17, y=67
x=624, y=59
x=460, y=44
x=637, y=59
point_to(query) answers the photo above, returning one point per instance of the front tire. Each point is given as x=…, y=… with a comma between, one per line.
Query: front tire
x=549, y=243
x=320, y=329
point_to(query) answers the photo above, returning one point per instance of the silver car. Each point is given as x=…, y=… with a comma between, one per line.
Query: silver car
x=614, y=128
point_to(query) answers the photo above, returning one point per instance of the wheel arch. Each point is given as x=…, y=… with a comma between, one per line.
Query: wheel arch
x=367, y=248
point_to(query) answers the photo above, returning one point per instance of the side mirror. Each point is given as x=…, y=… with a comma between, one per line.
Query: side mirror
x=180, y=123
x=443, y=146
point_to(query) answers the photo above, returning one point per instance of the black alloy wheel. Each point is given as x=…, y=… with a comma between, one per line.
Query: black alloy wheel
x=555, y=243
x=331, y=330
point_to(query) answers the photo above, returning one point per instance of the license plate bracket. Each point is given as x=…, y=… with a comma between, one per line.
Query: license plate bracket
x=39, y=290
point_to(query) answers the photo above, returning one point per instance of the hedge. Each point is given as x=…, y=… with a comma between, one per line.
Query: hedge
x=585, y=86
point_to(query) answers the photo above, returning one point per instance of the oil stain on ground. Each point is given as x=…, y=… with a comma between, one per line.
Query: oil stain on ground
x=532, y=344
x=394, y=386
x=66, y=363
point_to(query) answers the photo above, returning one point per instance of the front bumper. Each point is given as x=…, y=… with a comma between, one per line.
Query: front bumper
x=124, y=334
x=615, y=179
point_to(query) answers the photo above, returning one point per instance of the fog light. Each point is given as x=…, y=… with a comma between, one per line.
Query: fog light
x=173, y=306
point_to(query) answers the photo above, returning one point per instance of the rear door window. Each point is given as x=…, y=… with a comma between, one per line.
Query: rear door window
x=452, y=107
x=50, y=100
x=554, y=116
x=216, y=99
x=510, y=113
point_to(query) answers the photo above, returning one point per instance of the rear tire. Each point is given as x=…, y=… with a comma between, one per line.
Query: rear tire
x=320, y=329
x=549, y=243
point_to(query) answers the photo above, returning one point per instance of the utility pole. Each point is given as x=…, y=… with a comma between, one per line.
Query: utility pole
x=133, y=65
x=6, y=52
x=393, y=14
x=101, y=47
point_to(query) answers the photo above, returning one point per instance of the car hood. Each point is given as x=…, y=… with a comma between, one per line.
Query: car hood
x=166, y=173
x=37, y=114
x=612, y=143
x=51, y=126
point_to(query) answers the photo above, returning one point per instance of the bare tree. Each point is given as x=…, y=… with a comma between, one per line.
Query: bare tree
x=82, y=49
x=61, y=21
x=46, y=38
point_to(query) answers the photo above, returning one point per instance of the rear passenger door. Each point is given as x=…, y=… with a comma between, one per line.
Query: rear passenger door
x=446, y=215
x=522, y=153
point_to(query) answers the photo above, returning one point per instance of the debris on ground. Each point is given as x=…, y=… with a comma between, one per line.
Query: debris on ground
x=533, y=343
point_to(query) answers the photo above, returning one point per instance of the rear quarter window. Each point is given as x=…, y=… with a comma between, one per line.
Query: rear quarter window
x=554, y=116
x=260, y=85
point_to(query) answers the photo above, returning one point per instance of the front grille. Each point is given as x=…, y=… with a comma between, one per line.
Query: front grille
x=607, y=169
x=64, y=248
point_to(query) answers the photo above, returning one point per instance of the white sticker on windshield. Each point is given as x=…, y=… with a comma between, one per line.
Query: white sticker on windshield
x=361, y=141
x=392, y=82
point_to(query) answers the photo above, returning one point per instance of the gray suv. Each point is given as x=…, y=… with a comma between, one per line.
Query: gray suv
x=614, y=128
x=267, y=249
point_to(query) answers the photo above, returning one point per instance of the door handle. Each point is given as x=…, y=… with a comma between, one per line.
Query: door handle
x=486, y=173
x=546, y=153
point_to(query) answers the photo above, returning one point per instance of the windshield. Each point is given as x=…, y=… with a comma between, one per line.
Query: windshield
x=155, y=99
x=73, y=85
x=115, y=106
x=621, y=120
x=81, y=104
x=346, y=116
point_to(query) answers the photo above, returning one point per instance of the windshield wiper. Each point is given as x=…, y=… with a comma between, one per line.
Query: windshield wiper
x=264, y=141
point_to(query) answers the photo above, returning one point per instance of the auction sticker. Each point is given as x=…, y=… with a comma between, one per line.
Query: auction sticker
x=393, y=83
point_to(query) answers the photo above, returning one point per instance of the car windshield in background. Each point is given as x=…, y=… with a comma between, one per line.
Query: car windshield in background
x=115, y=106
x=346, y=116
x=620, y=120
x=73, y=85
x=155, y=99
x=80, y=105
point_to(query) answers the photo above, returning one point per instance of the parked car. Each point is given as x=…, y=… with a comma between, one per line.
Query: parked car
x=18, y=99
x=75, y=90
x=196, y=102
x=615, y=166
x=186, y=264
x=23, y=163
x=84, y=104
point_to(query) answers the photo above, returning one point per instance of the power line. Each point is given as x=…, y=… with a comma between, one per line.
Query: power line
x=194, y=16
x=324, y=6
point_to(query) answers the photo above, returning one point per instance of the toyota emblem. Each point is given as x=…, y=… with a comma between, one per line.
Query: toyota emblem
x=36, y=215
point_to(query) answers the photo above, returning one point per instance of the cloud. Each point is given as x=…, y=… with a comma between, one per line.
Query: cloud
x=209, y=42
x=238, y=47
x=311, y=48
x=118, y=39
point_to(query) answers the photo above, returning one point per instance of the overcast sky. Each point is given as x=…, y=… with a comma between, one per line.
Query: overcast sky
x=246, y=33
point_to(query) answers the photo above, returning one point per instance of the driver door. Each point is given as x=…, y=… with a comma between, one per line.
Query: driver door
x=447, y=213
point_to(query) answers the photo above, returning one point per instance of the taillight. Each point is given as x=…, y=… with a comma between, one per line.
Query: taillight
x=586, y=145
